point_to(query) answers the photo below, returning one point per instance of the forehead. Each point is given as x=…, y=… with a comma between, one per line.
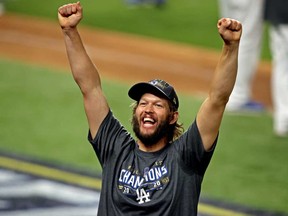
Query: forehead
x=153, y=98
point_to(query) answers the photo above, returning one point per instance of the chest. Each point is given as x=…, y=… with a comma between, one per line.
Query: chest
x=155, y=185
x=142, y=179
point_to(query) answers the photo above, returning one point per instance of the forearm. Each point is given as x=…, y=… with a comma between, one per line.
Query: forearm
x=211, y=112
x=84, y=71
x=225, y=74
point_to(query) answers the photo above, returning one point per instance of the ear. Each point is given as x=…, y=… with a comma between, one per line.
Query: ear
x=174, y=117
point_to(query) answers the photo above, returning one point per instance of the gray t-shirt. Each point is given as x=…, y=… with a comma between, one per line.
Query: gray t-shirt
x=166, y=182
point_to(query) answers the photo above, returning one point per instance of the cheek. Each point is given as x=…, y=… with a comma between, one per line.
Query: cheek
x=168, y=118
x=137, y=113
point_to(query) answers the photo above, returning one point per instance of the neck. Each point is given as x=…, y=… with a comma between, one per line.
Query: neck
x=154, y=147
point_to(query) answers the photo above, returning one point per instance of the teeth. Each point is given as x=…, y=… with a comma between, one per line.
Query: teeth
x=148, y=120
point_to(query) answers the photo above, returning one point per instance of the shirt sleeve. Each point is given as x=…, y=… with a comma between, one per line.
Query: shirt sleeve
x=192, y=152
x=110, y=138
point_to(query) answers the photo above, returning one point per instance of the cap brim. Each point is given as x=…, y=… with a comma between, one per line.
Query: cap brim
x=137, y=90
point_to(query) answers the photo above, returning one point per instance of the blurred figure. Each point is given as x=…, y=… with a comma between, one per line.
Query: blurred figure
x=253, y=14
x=134, y=2
x=277, y=15
x=157, y=3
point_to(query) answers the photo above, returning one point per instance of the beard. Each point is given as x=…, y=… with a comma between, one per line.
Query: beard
x=151, y=139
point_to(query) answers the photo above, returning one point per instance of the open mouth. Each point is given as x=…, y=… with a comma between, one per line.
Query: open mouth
x=148, y=121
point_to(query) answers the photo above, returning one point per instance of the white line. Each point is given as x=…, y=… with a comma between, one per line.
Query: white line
x=57, y=211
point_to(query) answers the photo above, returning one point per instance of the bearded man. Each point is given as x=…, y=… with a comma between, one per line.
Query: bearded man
x=161, y=172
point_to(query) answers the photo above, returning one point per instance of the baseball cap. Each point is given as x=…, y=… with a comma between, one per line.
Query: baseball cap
x=157, y=87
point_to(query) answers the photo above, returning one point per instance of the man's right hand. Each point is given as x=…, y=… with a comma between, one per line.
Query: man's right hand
x=69, y=15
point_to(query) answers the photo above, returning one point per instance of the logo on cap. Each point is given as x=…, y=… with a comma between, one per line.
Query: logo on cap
x=154, y=86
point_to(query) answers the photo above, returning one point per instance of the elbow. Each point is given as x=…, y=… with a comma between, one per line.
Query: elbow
x=84, y=88
x=219, y=99
x=80, y=83
x=224, y=100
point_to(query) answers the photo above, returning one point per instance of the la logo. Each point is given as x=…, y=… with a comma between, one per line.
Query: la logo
x=142, y=196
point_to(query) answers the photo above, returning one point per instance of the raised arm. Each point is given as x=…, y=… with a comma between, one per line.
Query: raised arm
x=84, y=71
x=211, y=112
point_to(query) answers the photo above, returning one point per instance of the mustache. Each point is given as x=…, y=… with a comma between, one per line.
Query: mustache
x=161, y=131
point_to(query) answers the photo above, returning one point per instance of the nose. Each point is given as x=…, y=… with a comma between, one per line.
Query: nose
x=149, y=108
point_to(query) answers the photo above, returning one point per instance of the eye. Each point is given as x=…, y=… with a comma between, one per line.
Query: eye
x=142, y=103
x=159, y=105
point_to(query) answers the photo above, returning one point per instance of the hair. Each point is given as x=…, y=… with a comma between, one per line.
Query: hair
x=174, y=130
